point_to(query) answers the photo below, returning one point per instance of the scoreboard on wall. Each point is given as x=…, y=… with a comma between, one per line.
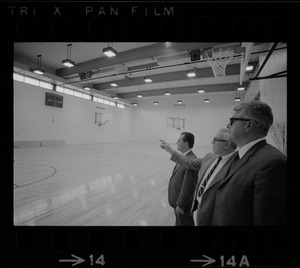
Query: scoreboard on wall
x=54, y=100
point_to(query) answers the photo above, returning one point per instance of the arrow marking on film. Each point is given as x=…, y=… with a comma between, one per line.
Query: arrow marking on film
x=77, y=261
x=208, y=260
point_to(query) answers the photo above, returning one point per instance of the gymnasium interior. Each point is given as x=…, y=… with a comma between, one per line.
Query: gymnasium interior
x=87, y=124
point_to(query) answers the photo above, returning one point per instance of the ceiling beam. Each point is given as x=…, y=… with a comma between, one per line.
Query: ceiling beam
x=155, y=50
x=169, y=77
x=182, y=90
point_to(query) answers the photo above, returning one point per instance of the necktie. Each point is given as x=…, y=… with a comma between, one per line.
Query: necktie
x=203, y=184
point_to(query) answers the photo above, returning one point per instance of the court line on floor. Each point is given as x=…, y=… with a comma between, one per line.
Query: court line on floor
x=55, y=170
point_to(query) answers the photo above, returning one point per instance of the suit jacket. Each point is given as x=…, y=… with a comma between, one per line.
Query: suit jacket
x=254, y=191
x=205, y=210
x=182, y=185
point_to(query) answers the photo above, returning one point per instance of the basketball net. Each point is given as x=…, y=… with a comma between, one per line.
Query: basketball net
x=218, y=59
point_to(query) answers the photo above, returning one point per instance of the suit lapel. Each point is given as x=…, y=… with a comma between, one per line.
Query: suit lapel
x=177, y=166
x=220, y=175
x=203, y=170
x=244, y=159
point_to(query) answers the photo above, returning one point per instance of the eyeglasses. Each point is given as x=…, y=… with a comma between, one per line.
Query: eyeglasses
x=232, y=119
x=216, y=139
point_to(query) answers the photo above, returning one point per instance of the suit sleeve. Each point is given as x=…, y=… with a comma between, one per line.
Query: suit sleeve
x=188, y=187
x=186, y=162
x=270, y=194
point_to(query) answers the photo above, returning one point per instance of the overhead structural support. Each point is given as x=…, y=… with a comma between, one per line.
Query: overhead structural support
x=264, y=62
x=155, y=50
x=245, y=60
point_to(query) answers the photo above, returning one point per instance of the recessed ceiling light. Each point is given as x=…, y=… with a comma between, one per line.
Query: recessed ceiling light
x=206, y=100
x=114, y=84
x=167, y=93
x=241, y=88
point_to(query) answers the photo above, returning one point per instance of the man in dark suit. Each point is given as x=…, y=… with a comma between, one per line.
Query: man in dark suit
x=254, y=191
x=182, y=183
x=213, y=167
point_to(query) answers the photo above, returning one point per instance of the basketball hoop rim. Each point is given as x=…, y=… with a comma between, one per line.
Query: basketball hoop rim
x=206, y=55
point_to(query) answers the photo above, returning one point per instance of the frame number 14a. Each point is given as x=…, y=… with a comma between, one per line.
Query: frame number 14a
x=232, y=261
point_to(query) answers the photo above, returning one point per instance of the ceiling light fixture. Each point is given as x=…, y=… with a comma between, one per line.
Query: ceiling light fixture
x=179, y=101
x=155, y=102
x=139, y=95
x=206, y=100
x=68, y=62
x=38, y=69
x=249, y=68
x=167, y=93
x=116, y=97
x=241, y=88
x=114, y=84
x=147, y=79
x=134, y=104
x=200, y=90
x=237, y=99
x=191, y=73
x=109, y=52
x=87, y=88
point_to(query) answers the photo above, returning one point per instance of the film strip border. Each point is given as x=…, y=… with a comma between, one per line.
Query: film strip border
x=156, y=247
x=131, y=21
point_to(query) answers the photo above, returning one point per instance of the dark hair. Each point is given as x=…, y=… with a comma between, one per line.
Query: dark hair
x=189, y=138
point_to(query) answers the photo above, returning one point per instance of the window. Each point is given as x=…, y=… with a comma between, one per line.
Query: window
x=119, y=105
x=59, y=89
x=111, y=103
x=106, y=102
x=18, y=77
x=46, y=85
x=77, y=94
x=86, y=96
x=68, y=91
x=31, y=81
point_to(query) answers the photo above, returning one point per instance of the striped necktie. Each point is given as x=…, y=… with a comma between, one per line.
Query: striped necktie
x=203, y=184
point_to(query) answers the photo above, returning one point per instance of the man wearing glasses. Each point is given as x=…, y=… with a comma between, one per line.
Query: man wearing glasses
x=254, y=191
x=212, y=169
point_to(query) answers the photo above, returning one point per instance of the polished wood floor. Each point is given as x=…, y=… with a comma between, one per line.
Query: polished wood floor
x=117, y=184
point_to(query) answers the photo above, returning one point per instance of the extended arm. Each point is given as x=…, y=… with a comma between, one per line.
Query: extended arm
x=181, y=159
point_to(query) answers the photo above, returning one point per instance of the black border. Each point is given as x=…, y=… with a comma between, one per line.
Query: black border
x=193, y=21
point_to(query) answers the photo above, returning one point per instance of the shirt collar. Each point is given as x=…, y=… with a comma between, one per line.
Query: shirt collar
x=246, y=147
x=227, y=156
x=185, y=153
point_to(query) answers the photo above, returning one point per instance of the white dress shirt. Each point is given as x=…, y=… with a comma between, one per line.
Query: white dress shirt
x=246, y=147
x=218, y=168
